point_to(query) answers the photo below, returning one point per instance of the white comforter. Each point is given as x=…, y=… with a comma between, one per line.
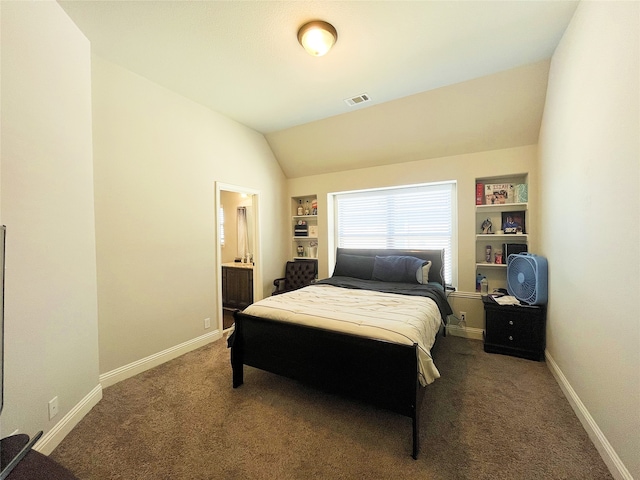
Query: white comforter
x=396, y=318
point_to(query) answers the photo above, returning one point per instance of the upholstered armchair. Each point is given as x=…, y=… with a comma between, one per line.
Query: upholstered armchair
x=298, y=274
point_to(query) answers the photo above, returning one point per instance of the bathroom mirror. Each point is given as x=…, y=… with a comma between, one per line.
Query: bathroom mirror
x=245, y=241
x=239, y=221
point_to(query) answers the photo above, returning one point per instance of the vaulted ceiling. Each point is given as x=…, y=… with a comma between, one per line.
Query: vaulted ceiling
x=444, y=77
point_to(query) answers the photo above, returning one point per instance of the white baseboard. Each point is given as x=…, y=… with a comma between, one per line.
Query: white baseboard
x=53, y=437
x=139, y=366
x=466, y=332
x=608, y=454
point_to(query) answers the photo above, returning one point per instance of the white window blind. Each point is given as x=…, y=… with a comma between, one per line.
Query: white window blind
x=419, y=217
x=221, y=220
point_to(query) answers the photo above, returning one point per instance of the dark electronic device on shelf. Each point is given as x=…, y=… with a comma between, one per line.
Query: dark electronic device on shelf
x=512, y=248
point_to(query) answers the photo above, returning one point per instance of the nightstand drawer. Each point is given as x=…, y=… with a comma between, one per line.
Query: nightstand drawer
x=513, y=332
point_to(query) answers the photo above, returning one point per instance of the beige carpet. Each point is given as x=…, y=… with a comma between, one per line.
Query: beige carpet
x=489, y=417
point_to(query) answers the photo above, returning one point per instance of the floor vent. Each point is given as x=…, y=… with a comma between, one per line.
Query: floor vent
x=357, y=100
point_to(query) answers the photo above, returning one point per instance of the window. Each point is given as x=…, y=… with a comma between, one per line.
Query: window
x=420, y=217
x=221, y=220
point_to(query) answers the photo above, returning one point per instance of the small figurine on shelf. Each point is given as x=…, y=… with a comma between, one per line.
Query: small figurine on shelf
x=486, y=226
x=314, y=207
x=300, y=250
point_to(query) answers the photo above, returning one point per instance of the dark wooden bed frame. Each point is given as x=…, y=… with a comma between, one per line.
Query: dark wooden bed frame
x=378, y=372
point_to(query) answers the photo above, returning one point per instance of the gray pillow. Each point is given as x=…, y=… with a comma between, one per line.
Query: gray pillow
x=357, y=266
x=397, y=268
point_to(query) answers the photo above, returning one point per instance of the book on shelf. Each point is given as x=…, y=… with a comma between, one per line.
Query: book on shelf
x=498, y=193
x=521, y=194
x=479, y=193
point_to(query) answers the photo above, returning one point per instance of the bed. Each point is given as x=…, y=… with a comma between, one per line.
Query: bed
x=336, y=334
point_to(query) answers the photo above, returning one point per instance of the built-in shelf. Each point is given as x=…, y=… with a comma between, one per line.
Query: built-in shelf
x=517, y=238
x=306, y=243
x=502, y=207
x=496, y=273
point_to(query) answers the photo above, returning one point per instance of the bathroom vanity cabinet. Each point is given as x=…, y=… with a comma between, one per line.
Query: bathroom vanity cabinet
x=237, y=286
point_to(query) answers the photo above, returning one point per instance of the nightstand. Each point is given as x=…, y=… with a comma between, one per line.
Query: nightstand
x=518, y=330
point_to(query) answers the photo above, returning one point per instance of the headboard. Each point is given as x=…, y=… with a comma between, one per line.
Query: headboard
x=436, y=273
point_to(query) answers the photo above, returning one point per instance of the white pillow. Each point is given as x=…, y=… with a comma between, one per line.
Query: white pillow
x=422, y=274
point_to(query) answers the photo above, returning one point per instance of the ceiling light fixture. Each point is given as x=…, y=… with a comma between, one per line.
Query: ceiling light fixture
x=317, y=37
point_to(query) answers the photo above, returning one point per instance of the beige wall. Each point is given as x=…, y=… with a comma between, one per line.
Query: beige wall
x=464, y=169
x=51, y=330
x=158, y=157
x=589, y=167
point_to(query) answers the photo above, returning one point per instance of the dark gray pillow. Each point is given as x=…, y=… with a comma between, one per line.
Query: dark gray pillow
x=397, y=268
x=357, y=266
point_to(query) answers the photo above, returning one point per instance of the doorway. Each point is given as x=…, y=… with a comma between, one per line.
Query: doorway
x=238, y=257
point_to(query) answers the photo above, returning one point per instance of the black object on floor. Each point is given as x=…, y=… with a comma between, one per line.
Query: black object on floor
x=34, y=465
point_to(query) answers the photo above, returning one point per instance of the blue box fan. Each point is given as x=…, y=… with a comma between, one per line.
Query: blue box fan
x=527, y=278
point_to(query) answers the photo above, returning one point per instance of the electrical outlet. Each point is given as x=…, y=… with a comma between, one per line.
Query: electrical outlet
x=463, y=317
x=53, y=407
x=207, y=323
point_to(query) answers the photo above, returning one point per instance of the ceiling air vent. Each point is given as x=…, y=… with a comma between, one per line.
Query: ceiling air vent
x=357, y=100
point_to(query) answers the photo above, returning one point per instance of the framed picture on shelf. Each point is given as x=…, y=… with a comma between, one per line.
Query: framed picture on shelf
x=513, y=222
x=313, y=231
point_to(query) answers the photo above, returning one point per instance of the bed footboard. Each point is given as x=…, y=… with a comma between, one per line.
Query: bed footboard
x=376, y=372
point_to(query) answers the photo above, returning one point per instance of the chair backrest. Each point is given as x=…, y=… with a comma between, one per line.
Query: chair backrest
x=300, y=273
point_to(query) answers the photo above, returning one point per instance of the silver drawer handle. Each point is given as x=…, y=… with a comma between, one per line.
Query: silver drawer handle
x=510, y=337
x=510, y=322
